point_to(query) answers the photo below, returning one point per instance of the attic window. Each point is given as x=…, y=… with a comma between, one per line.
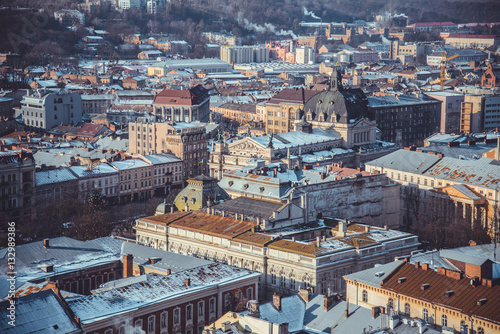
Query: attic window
x=261, y=189
x=48, y=268
x=481, y=301
x=245, y=185
x=425, y=286
x=379, y=274
x=449, y=293
x=401, y=280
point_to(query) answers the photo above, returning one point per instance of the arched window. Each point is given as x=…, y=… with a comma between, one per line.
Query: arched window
x=444, y=320
x=365, y=296
x=480, y=330
x=425, y=315
x=407, y=308
x=390, y=303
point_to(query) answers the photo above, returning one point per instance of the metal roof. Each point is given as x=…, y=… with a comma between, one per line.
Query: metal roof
x=164, y=260
x=41, y=312
x=251, y=207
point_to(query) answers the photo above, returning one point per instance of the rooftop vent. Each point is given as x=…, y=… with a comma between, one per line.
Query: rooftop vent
x=449, y=293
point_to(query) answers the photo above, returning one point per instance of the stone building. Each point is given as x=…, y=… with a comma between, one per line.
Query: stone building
x=280, y=110
x=405, y=119
x=201, y=191
x=461, y=295
x=463, y=189
x=331, y=191
x=188, y=141
x=44, y=109
x=17, y=183
x=450, y=110
x=264, y=236
x=182, y=105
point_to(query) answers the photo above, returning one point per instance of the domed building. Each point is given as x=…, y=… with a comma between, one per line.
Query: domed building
x=198, y=193
x=342, y=110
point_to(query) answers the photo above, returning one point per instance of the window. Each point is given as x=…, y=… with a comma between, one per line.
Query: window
x=163, y=320
x=138, y=326
x=480, y=330
x=211, y=305
x=273, y=279
x=201, y=308
x=365, y=296
x=407, y=308
x=444, y=320
x=425, y=315
x=390, y=303
x=189, y=312
x=249, y=293
x=151, y=324
x=177, y=317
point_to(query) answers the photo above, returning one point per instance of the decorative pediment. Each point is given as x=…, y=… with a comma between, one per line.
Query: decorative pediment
x=247, y=144
x=363, y=122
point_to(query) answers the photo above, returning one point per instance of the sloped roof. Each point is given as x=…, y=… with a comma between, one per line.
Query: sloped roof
x=406, y=161
x=41, y=312
x=251, y=207
x=465, y=297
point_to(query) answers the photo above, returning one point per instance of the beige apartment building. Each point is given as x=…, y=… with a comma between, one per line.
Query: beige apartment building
x=187, y=141
x=281, y=109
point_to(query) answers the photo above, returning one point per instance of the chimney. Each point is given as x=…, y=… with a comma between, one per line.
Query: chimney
x=226, y=326
x=254, y=306
x=367, y=228
x=277, y=301
x=497, y=150
x=346, y=313
x=236, y=216
x=305, y=294
x=46, y=243
x=472, y=243
x=128, y=265
x=375, y=312
x=208, y=210
x=188, y=281
x=169, y=271
x=425, y=266
x=318, y=243
x=172, y=209
x=328, y=302
x=417, y=264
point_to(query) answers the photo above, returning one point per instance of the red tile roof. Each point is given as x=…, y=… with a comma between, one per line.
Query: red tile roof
x=90, y=130
x=465, y=297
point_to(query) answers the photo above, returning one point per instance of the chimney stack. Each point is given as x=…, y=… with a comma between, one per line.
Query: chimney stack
x=318, y=243
x=347, y=308
x=417, y=264
x=188, y=281
x=328, y=302
x=277, y=301
x=128, y=265
x=169, y=271
x=46, y=243
x=305, y=294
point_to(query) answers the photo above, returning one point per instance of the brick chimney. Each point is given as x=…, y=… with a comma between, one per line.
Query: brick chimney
x=305, y=294
x=328, y=302
x=169, y=271
x=128, y=265
x=375, y=312
x=277, y=301
x=46, y=243
x=188, y=281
